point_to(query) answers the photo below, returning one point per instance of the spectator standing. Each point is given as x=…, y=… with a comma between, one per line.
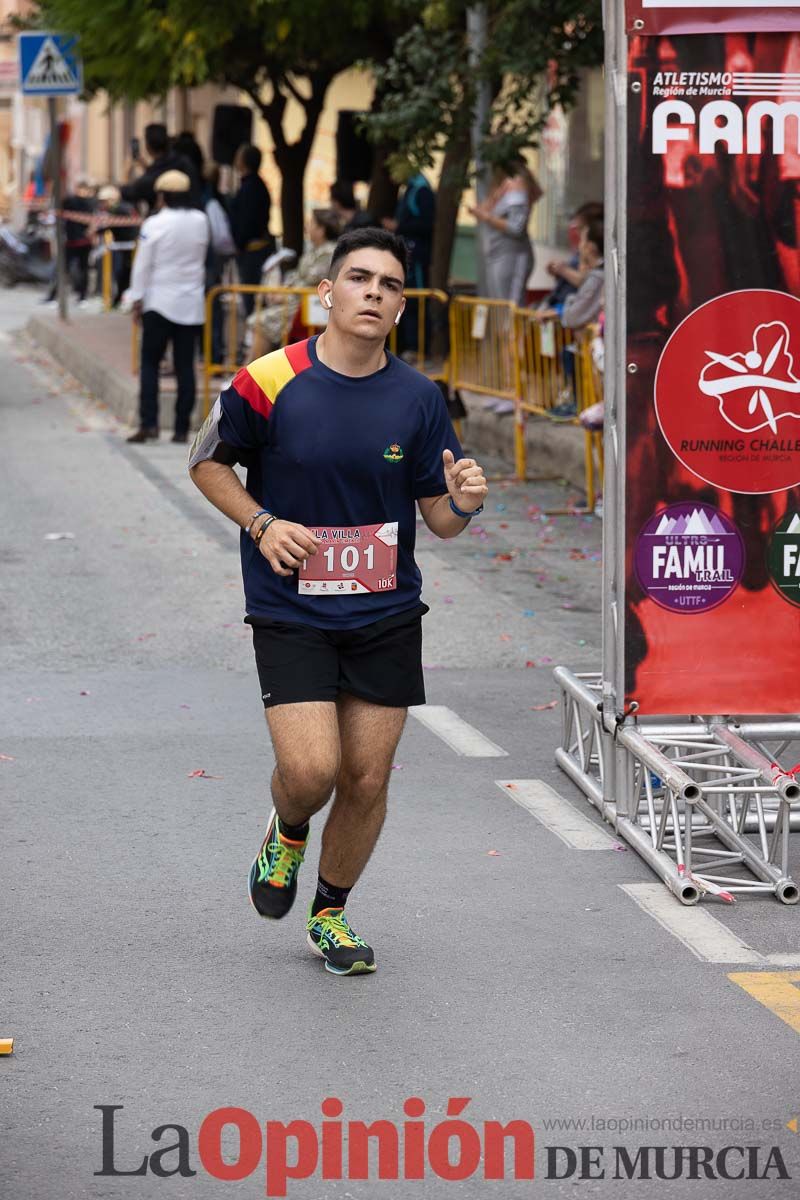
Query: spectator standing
x=78, y=239
x=414, y=220
x=271, y=327
x=186, y=145
x=162, y=159
x=349, y=212
x=109, y=206
x=167, y=290
x=508, y=252
x=221, y=250
x=249, y=212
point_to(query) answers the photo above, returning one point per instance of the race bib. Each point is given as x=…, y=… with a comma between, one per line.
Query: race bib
x=351, y=559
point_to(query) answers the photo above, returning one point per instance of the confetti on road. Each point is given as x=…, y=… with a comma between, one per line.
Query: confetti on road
x=59, y=537
x=201, y=774
x=493, y=853
x=543, y=707
x=84, y=693
x=7, y=758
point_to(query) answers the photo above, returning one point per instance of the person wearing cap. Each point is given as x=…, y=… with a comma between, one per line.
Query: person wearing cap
x=168, y=290
x=109, y=206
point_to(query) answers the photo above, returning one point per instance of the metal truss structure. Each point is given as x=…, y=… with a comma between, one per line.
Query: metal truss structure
x=700, y=799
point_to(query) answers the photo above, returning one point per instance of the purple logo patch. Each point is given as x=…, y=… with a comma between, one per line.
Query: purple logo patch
x=689, y=557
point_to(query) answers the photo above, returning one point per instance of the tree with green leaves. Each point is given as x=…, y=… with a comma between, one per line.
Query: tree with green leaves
x=429, y=87
x=274, y=50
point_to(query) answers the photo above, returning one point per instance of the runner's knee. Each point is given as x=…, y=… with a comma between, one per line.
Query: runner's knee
x=306, y=779
x=364, y=784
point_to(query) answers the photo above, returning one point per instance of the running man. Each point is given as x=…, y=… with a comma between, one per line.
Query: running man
x=340, y=438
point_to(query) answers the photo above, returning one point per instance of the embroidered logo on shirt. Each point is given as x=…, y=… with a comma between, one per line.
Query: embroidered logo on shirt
x=393, y=453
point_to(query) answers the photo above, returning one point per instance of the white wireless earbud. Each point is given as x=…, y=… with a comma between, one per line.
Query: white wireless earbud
x=397, y=318
x=327, y=301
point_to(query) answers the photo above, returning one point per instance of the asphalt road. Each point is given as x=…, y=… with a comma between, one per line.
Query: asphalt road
x=513, y=968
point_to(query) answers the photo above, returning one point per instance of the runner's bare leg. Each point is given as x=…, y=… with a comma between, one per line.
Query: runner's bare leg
x=305, y=738
x=368, y=735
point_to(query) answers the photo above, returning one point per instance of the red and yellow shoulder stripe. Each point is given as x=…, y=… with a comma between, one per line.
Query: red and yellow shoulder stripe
x=261, y=381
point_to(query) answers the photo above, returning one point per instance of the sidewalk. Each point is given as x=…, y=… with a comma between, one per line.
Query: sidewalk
x=96, y=350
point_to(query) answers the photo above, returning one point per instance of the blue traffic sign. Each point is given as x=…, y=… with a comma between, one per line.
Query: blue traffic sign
x=49, y=64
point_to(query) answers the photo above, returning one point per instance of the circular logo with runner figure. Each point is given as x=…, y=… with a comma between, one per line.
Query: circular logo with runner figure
x=783, y=557
x=393, y=453
x=727, y=391
x=689, y=557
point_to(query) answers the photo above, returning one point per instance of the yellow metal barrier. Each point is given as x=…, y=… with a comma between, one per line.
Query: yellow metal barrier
x=431, y=309
x=107, y=271
x=507, y=352
x=589, y=391
x=482, y=350
x=540, y=344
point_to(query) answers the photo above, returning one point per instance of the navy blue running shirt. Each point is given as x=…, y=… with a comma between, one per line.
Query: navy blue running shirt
x=326, y=449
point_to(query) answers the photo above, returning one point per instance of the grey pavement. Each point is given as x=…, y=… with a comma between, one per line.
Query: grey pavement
x=513, y=969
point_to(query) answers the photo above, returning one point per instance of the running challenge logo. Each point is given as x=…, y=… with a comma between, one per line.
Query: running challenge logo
x=727, y=392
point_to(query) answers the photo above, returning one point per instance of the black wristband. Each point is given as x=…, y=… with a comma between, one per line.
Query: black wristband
x=263, y=528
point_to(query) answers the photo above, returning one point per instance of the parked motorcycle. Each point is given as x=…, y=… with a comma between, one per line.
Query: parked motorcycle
x=25, y=257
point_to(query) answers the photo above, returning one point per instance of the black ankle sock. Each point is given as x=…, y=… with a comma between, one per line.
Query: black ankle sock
x=295, y=833
x=328, y=896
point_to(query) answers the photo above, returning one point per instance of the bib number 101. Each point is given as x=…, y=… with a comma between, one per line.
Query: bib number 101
x=349, y=557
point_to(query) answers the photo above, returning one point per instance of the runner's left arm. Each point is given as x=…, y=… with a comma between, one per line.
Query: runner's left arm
x=444, y=474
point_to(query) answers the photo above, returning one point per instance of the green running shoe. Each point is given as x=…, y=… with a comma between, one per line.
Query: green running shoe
x=273, y=875
x=330, y=936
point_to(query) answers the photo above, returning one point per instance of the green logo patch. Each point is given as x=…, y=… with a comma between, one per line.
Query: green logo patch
x=393, y=453
x=783, y=557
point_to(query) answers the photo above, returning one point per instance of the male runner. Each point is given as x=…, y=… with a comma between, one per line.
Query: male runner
x=340, y=438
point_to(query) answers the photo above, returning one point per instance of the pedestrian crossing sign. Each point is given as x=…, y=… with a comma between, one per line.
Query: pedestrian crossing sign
x=49, y=64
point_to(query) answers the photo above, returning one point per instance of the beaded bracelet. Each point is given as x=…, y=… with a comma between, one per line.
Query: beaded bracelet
x=262, y=512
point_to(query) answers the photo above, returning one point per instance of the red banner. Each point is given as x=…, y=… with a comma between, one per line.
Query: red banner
x=731, y=16
x=713, y=402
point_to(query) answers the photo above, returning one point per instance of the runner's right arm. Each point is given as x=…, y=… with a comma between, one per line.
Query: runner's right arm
x=227, y=435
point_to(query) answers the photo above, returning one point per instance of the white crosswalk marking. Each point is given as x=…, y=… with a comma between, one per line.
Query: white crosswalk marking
x=459, y=736
x=556, y=814
x=706, y=937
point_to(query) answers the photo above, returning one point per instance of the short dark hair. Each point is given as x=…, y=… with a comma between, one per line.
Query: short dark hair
x=327, y=219
x=368, y=239
x=187, y=145
x=595, y=232
x=155, y=138
x=250, y=156
x=592, y=210
x=342, y=193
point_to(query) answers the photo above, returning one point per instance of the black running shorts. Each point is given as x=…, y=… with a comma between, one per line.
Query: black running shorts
x=380, y=663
